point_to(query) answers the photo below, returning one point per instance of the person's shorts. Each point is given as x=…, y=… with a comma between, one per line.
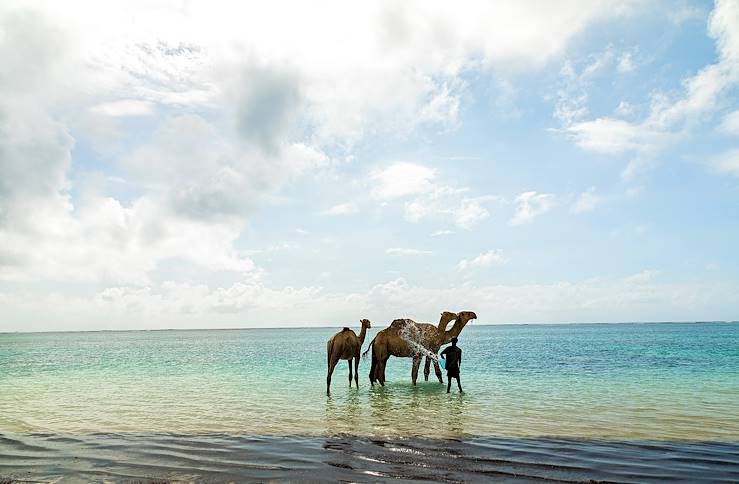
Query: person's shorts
x=452, y=373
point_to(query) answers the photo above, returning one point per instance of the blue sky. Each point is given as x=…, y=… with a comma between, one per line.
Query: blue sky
x=186, y=165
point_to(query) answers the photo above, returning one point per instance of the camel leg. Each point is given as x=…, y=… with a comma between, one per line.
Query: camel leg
x=381, y=370
x=331, y=365
x=416, y=365
x=373, y=371
x=356, y=370
x=427, y=369
x=350, y=372
x=437, y=369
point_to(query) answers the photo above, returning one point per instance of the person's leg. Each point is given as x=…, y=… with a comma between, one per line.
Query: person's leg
x=459, y=384
x=449, y=384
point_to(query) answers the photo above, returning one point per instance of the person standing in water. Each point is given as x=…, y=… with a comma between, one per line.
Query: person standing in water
x=453, y=357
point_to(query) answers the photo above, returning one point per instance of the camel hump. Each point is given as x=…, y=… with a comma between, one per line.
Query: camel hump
x=346, y=329
x=401, y=322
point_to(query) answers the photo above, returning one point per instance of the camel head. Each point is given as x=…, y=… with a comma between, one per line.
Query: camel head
x=366, y=323
x=467, y=316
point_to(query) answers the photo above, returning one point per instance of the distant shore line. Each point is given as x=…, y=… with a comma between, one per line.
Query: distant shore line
x=574, y=323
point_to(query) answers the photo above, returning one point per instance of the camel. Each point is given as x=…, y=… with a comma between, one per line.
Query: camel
x=345, y=345
x=405, y=338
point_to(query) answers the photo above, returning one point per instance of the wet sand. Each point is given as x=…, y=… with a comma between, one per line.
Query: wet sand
x=224, y=457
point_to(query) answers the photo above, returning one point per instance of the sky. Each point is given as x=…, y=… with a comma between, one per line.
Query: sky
x=201, y=164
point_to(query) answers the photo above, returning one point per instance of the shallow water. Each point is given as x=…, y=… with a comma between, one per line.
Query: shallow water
x=669, y=382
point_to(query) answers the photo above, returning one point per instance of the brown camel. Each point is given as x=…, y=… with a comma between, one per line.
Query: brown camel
x=405, y=338
x=345, y=345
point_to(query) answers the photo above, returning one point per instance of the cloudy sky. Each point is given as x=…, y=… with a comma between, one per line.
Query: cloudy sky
x=191, y=164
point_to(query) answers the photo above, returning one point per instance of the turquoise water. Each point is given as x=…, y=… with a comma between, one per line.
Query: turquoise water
x=622, y=382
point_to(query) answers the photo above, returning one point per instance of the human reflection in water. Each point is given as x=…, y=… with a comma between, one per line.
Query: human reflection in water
x=456, y=413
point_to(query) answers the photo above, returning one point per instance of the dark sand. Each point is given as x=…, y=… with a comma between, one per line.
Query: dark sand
x=222, y=457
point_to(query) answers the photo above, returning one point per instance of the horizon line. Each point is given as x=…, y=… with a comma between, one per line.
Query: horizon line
x=342, y=326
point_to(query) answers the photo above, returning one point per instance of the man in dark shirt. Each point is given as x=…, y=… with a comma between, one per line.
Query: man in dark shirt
x=453, y=357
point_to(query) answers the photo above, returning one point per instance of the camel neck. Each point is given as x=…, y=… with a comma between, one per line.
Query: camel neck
x=443, y=323
x=362, y=334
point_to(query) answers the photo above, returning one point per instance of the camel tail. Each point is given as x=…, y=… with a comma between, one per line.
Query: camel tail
x=369, y=347
x=329, y=347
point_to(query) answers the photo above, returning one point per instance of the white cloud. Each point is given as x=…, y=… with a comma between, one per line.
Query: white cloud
x=102, y=241
x=342, y=209
x=182, y=55
x=625, y=109
x=402, y=179
x=205, y=174
x=530, y=205
x=471, y=212
x=431, y=198
x=439, y=233
x=608, y=135
x=572, y=94
x=626, y=62
x=409, y=252
x=730, y=124
x=184, y=305
x=485, y=259
x=124, y=107
x=702, y=95
x=642, y=277
x=587, y=201
x=727, y=162
x=465, y=212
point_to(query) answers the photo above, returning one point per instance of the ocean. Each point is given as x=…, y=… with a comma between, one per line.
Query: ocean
x=623, y=402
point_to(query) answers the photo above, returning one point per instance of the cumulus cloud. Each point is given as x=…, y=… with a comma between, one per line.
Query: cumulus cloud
x=219, y=108
x=486, y=259
x=702, y=95
x=183, y=305
x=402, y=179
x=530, y=205
x=428, y=195
x=208, y=175
x=103, y=241
x=464, y=212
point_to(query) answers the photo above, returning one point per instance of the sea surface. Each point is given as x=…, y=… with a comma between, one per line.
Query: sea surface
x=618, y=402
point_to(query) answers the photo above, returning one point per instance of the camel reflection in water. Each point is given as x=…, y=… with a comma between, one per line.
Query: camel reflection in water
x=398, y=409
